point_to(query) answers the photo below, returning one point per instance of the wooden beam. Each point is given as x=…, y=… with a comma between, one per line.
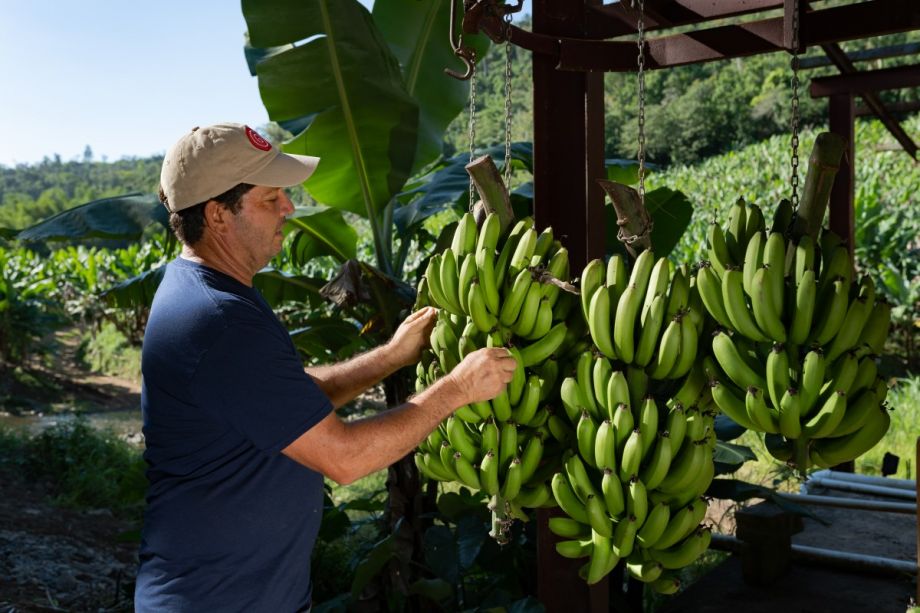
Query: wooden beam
x=619, y=18
x=897, y=107
x=879, y=53
x=897, y=77
x=843, y=63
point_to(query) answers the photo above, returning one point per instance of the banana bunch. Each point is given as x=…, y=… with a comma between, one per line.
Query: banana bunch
x=796, y=354
x=631, y=486
x=650, y=317
x=496, y=291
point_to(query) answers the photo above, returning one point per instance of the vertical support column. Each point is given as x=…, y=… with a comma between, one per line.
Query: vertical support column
x=917, y=463
x=841, y=216
x=568, y=140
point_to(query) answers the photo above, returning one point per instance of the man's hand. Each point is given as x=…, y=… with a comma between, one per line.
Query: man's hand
x=412, y=337
x=483, y=374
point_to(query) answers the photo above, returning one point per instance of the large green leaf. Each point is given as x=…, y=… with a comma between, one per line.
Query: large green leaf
x=119, y=217
x=417, y=33
x=278, y=287
x=325, y=338
x=320, y=230
x=341, y=93
x=373, y=563
x=137, y=291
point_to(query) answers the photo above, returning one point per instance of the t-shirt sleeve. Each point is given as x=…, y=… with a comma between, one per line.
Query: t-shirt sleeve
x=252, y=379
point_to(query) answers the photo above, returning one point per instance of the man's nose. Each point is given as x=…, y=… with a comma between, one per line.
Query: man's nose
x=287, y=207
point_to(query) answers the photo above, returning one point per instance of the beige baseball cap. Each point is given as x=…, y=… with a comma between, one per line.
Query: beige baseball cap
x=208, y=161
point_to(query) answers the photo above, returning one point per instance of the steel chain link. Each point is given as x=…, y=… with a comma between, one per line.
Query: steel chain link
x=507, y=168
x=641, y=80
x=794, y=178
x=472, y=133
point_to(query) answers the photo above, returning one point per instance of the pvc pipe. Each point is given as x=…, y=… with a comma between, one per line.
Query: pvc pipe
x=863, y=488
x=831, y=557
x=905, y=484
x=851, y=503
x=852, y=561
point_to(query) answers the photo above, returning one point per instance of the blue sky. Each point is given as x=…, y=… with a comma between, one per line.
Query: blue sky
x=125, y=77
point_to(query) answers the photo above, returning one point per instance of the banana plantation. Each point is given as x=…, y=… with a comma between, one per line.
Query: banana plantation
x=716, y=403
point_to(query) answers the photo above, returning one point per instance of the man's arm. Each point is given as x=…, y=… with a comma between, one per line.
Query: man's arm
x=344, y=381
x=346, y=451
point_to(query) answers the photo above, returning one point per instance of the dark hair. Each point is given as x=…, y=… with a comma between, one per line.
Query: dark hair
x=188, y=224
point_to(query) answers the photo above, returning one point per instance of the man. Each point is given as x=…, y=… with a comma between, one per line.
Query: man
x=238, y=435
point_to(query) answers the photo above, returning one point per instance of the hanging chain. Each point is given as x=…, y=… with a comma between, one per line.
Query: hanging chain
x=507, y=168
x=472, y=131
x=641, y=75
x=795, y=105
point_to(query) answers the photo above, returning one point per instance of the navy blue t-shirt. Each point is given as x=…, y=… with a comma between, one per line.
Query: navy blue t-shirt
x=230, y=521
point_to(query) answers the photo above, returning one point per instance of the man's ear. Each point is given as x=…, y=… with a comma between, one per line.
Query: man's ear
x=215, y=215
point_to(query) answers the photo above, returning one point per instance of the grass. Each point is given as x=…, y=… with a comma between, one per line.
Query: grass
x=108, y=351
x=85, y=467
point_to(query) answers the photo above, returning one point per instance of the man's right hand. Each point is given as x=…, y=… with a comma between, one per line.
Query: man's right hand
x=483, y=374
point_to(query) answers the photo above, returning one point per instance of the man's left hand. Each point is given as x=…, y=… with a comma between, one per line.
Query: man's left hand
x=412, y=337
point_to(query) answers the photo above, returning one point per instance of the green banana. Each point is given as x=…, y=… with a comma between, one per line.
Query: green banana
x=646, y=571
x=689, y=341
x=507, y=444
x=648, y=423
x=568, y=528
x=857, y=413
x=518, y=379
x=602, y=559
x=642, y=272
x=676, y=429
x=511, y=486
x=623, y=425
x=759, y=413
x=736, y=306
x=731, y=361
x=488, y=473
x=617, y=273
x=540, y=350
x=450, y=282
x=777, y=373
x=834, y=308
x=678, y=293
x=656, y=469
x=631, y=457
x=681, y=524
x=597, y=516
x=812, y=379
x=537, y=497
x=460, y=440
x=684, y=467
x=514, y=300
x=782, y=216
x=774, y=260
x=654, y=526
x=667, y=584
x=843, y=372
x=753, y=260
x=501, y=406
x=865, y=375
x=421, y=462
x=527, y=316
x=592, y=279
x=790, y=414
x=637, y=500
x=567, y=499
x=585, y=434
x=489, y=432
x=575, y=549
x=689, y=392
x=485, y=273
x=668, y=351
x=804, y=308
x=599, y=322
x=624, y=536
x=625, y=322
x=731, y=405
x=767, y=317
x=600, y=378
x=755, y=222
x=605, y=446
x=617, y=393
x=479, y=312
x=848, y=334
x=584, y=370
x=469, y=476
x=524, y=250
x=737, y=224
x=612, y=490
x=875, y=330
x=468, y=272
x=558, y=267
x=835, y=451
x=719, y=257
x=542, y=247
x=685, y=553
x=578, y=477
x=530, y=459
x=804, y=257
x=489, y=234
x=526, y=409
x=658, y=282
x=828, y=418
x=836, y=265
x=560, y=430
x=650, y=330
x=709, y=286
x=638, y=387
x=465, y=235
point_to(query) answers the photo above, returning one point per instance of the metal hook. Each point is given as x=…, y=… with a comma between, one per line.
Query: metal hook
x=466, y=55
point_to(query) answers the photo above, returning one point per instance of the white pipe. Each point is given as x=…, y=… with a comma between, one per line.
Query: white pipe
x=851, y=503
x=863, y=488
x=904, y=484
x=832, y=557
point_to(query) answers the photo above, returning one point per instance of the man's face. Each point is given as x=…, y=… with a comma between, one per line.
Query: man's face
x=257, y=227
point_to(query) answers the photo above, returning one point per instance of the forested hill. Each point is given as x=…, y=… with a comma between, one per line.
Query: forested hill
x=692, y=113
x=30, y=192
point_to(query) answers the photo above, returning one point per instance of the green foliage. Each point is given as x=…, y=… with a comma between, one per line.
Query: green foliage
x=85, y=467
x=107, y=351
x=901, y=438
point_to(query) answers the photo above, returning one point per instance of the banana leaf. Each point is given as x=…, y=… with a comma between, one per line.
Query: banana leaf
x=137, y=291
x=417, y=34
x=119, y=217
x=340, y=91
x=278, y=287
x=326, y=338
x=320, y=231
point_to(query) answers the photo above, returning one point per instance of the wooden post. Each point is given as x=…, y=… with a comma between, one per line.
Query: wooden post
x=568, y=138
x=841, y=218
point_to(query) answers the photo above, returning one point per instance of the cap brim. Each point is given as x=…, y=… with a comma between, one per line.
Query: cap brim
x=285, y=170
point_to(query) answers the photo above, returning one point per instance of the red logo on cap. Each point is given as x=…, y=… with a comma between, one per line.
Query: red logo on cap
x=257, y=141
